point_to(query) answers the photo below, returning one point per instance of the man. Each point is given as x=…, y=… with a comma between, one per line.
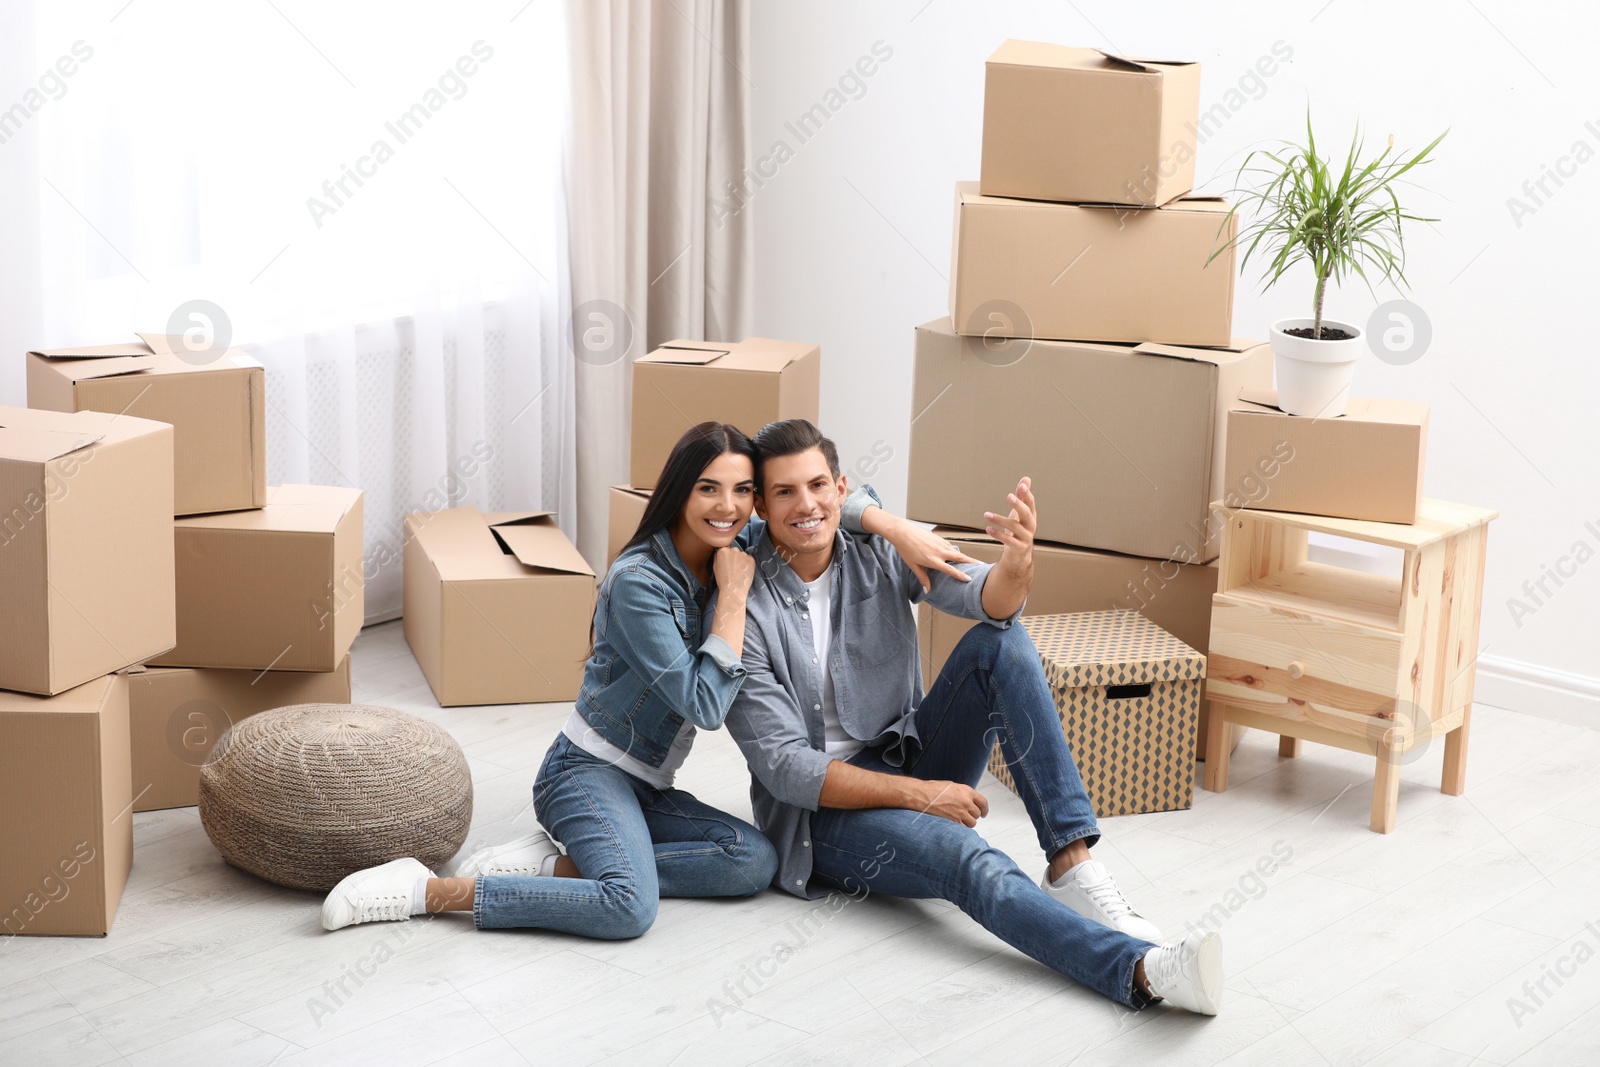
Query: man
x=861, y=781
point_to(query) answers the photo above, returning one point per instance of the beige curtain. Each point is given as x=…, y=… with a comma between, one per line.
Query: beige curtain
x=660, y=121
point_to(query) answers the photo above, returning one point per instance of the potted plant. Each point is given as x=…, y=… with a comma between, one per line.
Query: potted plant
x=1341, y=223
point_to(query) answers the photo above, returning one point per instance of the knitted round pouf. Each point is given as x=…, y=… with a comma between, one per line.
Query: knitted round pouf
x=304, y=795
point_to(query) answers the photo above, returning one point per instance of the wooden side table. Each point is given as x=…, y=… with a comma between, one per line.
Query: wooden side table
x=1371, y=663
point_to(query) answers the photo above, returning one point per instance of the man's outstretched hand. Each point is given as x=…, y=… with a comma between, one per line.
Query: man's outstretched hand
x=1006, y=588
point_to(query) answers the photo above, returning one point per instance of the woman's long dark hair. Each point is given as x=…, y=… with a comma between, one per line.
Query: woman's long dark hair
x=689, y=458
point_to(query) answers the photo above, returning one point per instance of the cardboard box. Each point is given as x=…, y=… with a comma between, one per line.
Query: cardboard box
x=497, y=606
x=1025, y=268
x=177, y=713
x=278, y=588
x=1083, y=125
x=749, y=383
x=1125, y=444
x=1174, y=596
x=1365, y=464
x=627, y=508
x=66, y=819
x=217, y=411
x=85, y=546
x=1128, y=694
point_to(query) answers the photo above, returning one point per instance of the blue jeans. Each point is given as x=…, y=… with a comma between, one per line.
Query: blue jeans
x=633, y=844
x=991, y=689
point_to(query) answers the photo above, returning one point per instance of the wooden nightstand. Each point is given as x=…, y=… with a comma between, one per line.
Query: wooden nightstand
x=1372, y=663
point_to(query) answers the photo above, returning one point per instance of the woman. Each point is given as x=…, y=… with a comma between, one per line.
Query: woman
x=606, y=786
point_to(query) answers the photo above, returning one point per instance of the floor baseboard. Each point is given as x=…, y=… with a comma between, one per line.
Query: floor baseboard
x=1535, y=690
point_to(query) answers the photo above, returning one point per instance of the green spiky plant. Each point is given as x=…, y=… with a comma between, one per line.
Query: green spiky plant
x=1343, y=224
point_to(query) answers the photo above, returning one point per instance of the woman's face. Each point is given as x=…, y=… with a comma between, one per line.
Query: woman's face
x=720, y=503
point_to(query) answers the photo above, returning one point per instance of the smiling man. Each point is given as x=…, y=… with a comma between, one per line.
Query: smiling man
x=864, y=783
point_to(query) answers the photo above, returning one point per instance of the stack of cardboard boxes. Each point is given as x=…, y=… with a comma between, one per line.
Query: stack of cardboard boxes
x=155, y=591
x=1090, y=343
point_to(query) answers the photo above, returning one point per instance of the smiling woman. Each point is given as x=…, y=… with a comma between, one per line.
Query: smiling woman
x=407, y=316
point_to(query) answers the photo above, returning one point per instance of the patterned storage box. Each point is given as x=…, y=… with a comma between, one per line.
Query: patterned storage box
x=1128, y=694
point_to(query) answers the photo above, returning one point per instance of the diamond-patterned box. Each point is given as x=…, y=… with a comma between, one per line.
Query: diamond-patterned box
x=1128, y=694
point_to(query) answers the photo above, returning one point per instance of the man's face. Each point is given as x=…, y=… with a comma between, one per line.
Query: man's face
x=800, y=501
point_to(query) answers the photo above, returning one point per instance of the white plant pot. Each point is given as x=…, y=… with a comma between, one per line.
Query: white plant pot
x=1314, y=376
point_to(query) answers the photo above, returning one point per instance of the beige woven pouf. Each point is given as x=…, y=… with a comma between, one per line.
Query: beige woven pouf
x=304, y=795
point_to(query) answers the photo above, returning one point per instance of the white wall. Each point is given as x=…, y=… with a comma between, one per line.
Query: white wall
x=853, y=236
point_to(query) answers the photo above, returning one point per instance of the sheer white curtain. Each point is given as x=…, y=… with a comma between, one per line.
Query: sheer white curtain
x=366, y=196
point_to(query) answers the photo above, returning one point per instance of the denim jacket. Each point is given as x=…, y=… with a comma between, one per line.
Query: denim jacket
x=650, y=671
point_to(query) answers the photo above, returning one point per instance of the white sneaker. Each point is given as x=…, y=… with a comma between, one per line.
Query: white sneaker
x=524, y=856
x=1093, y=893
x=377, y=894
x=1187, y=973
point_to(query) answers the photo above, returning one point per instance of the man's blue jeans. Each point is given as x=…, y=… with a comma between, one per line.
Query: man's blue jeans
x=991, y=689
x=633, y=844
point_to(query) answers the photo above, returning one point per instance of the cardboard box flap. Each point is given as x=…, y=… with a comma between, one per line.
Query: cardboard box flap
x=1204, y=204
x=538, y=542
x=1235, y=351
x=34, y=444
x=129, y=348
x=1357, y=408
x=85, y=699
x=290, y=508
x=1148, y=66
x=689, y=353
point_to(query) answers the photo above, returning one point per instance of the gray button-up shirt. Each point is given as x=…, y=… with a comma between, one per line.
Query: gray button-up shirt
x=877, y=678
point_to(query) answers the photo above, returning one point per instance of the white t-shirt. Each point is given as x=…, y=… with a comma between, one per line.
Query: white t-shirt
x=837, y=743
x=586, y=737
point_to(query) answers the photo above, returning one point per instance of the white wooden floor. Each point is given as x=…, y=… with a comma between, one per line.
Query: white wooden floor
x=1408, y=949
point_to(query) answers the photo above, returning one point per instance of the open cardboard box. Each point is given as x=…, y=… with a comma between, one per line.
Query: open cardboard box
x=1092, y=272
x=278, y=588
x=1124, y=443
x=217, y=411
x=86, y=546
x=1365, y=464
x=747, y=383
x=66, y=809
x=1079, y=124
x=497, y=606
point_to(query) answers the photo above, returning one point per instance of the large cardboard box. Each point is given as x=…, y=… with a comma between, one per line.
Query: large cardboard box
x=1125, y=444
x=217, y=411
x=277, y=588
x=85, y=546
x=1365, y=464
x=497, y=606
x=177, y=713
x=748, y=383
x=1128, y=694
x=1174, y=596
x=66, y=818
x=1026, y=268
x=627, y=508
x=1083, y=125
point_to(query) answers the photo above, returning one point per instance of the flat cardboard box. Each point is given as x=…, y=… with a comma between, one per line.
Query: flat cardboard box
x=177, y=713
x=1174, y=596
x=217, y=411
x=66, y=818
x=1124, y=444
x=278, y=588
x=627, y=508
x=1083, y=125
x=1026, y=268
x=1365, y=464
x=1128, y=696
x=747, y=383
x=86, y=539
x=497, y=606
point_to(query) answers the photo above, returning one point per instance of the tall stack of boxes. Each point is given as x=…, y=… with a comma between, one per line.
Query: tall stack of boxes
x=156, y=591
x=1089, y=344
